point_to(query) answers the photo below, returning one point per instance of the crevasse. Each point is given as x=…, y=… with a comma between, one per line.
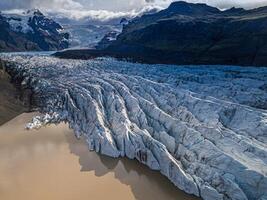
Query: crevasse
x=203, y=127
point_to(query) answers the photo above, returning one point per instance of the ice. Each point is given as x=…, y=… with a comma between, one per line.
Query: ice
x=203, y=127
x=19, y=23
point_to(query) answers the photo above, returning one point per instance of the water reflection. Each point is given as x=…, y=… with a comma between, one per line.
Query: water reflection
x=145, y=183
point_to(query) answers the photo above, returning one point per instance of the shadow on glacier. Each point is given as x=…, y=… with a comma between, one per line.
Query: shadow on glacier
x=144, y=183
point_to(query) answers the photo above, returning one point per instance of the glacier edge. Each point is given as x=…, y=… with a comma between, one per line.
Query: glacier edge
x=203, y=128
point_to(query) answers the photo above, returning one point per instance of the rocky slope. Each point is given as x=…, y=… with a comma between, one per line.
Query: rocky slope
x=199, y=34
x=204, y=127
x=10, y=106
x=188, y=33
x=31, y=31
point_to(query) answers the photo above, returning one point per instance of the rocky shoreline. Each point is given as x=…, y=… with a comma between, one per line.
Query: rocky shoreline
x=10, y=105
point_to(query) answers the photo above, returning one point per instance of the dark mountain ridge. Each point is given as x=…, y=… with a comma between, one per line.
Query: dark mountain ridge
x=187, y=33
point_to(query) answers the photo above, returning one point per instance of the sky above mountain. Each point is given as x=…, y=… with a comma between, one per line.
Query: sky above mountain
x=117, y=5
x=104, y=9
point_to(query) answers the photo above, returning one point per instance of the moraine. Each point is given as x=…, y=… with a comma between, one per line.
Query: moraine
x=204, y=127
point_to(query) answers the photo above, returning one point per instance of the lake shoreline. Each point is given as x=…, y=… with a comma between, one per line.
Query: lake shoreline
x=36, y=159
x=10, y=105
x=51, y=163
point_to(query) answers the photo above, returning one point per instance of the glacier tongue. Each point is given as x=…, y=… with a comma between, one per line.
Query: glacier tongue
x=204, y=127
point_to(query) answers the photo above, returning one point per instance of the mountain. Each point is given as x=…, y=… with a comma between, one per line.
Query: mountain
x=89, y=35
x=187, y=33
x=31, y=31
x=199, y=34
x=88, y=30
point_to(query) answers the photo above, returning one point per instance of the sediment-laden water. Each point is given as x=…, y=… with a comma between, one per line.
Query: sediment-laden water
x=51, y=163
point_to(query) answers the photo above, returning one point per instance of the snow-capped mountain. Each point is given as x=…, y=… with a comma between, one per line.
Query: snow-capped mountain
x=89, y=35
x=87, y=32
x=31, y=31
x=188, y=33
x=89, y=27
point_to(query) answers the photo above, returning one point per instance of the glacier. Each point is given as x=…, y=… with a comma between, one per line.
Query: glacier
x=203, y=127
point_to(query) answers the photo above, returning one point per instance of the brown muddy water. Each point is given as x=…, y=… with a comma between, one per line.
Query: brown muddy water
x=51, y=164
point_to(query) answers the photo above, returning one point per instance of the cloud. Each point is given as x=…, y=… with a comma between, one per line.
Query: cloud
x=110, y=5
x=116, y=5
x=101, y=10
x=42, y=4
x=107, y=9
x=223, y=4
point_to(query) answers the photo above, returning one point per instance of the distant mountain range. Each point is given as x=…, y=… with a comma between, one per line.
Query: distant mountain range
x=59, y=30
x=88, y=36
x=31, y=31
x=187, y=33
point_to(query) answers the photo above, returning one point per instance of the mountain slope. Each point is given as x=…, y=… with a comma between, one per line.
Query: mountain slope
x=188, y=33
x=198, y=34
x=31, y=31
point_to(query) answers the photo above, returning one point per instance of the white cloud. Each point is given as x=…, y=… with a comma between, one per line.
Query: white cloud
x=232, y=3
x=42, y=4
x=83, y=10
x=116, y=5
x=103, y=15
x=108, y=9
